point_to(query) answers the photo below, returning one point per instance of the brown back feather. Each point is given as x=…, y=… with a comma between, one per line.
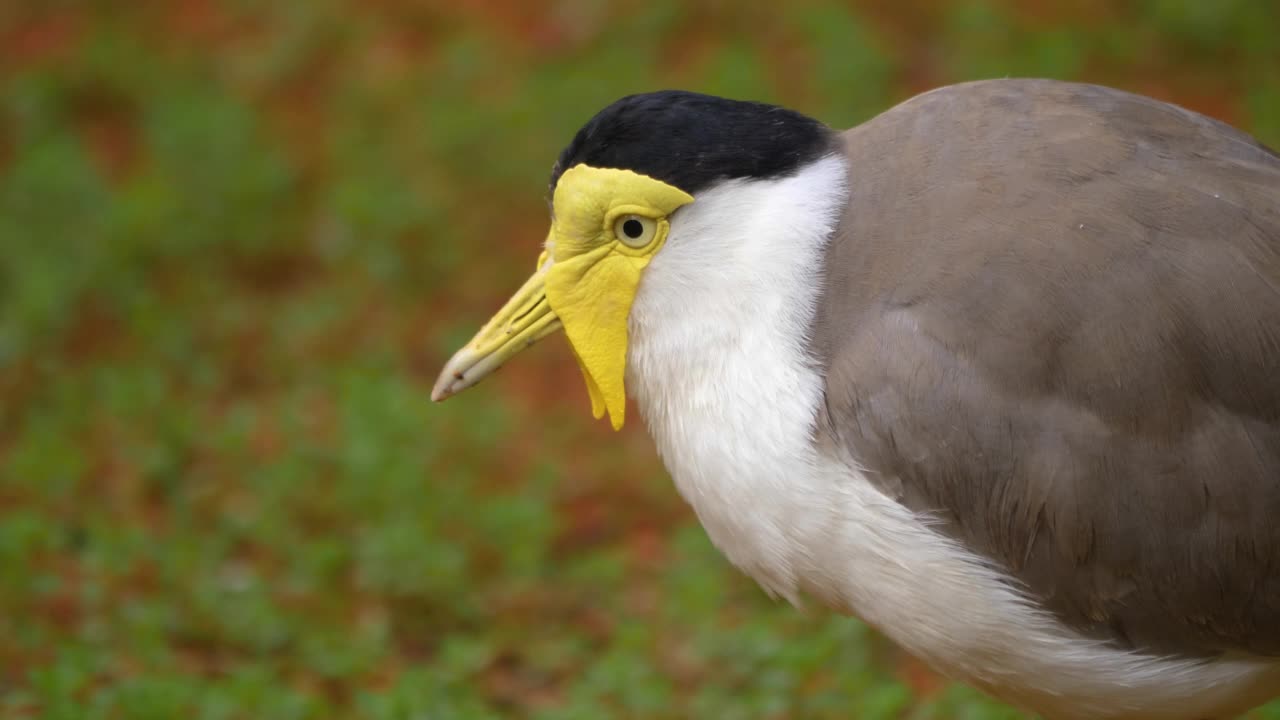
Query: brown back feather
x=1052, y=317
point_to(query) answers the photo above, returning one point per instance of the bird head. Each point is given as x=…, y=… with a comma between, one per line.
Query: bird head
x=615, y=191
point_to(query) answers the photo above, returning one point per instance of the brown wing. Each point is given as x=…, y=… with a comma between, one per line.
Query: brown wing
x=1052, y=317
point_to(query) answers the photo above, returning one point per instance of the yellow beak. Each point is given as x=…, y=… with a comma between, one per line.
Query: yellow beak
x=524, y=320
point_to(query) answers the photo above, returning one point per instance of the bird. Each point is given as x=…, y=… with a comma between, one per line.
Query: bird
x=996, y=371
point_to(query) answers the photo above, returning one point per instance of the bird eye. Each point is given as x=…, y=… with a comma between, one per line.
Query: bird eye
x=635, y=230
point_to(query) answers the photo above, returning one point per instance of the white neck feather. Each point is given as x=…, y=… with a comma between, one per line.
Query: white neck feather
x=717, y=362
x=717, y=358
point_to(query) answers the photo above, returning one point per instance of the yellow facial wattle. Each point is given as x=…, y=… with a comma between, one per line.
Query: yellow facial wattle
x=595, y=273
x=607, y=225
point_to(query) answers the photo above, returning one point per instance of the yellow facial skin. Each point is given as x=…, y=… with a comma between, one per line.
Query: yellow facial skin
x=607, y=225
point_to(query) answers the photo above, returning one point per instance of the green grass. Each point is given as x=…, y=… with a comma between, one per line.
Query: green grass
x=236, y=244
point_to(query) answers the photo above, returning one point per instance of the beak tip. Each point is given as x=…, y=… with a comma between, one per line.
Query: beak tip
x=443, y=389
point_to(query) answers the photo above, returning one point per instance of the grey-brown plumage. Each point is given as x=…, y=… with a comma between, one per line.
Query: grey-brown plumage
x=1052, y=318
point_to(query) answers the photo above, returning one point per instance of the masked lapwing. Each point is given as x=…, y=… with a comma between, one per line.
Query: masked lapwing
x=997, y=371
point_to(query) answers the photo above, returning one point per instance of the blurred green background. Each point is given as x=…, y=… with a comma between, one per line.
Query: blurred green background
x=237, y=239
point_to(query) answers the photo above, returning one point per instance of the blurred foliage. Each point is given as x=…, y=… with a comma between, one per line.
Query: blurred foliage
x=236, y=240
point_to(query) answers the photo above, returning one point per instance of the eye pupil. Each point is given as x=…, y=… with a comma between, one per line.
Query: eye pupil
x=632, y=228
